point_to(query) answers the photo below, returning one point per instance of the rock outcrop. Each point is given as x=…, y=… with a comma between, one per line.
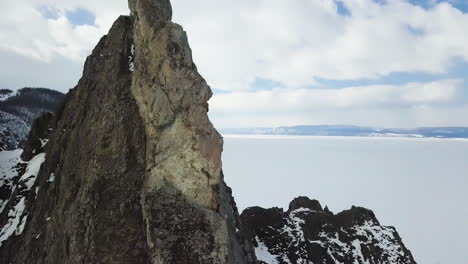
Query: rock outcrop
x=307, y=234
x=129, y=169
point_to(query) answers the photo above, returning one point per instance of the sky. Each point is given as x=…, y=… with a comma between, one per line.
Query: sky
x=380, y=63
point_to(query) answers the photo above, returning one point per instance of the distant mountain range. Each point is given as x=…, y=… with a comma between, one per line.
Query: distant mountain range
x=19, y=109
x=353, y=131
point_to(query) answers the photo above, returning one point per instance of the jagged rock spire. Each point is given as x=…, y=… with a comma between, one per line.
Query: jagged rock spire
x=135, y=159
x=154, y=10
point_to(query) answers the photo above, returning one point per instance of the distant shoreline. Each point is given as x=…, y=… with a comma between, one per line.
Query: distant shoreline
x=258, y=136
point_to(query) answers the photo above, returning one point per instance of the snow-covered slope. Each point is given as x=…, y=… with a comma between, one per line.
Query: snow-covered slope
x=18, y=189
x=307, y=234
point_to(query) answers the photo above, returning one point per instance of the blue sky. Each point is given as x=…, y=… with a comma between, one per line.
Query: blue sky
x=379, y=63
x=81, y=16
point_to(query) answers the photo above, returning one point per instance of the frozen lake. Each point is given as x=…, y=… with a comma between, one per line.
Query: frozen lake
x=420, y=186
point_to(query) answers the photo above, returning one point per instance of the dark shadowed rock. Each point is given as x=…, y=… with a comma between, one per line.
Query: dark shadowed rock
x=304, y=202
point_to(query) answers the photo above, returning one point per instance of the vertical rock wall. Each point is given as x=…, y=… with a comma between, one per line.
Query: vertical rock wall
x=135, y=162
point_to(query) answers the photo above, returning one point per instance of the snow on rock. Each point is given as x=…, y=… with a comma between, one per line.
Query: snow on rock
x=262, y=253
x=32, y=170
x=51, y=178
x=308, y=235
x=17, y=190
x=8, y=173
x=131, y=59
x=15, y=223
x=5, y=94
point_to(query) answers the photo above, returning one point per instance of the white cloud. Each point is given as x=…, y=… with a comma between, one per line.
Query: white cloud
x=26, y=31
x=297, y=41
x=291, y=42
x=283, y=99
x=413, y=104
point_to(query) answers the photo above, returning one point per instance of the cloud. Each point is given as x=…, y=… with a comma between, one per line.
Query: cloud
x=412, y=104
x=283, y=99
x=237, y=42
x=242, y=46
x=47, y=35
x=296, y=42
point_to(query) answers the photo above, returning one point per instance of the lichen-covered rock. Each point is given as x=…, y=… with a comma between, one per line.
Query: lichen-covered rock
x=131, y=172
x=307, y=234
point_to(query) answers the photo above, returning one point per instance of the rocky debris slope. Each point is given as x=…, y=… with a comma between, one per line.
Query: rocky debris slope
x=19, y=109
x=306, y=233
x=131, y=172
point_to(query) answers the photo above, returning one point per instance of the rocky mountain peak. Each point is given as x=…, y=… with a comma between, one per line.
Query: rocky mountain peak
x=304, y=202
x=305, y=234
x=153, y=10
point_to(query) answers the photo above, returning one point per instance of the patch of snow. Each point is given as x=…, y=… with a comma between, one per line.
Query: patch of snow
x=262, y=253
x=293, y=227
x=17, y=217
x=5, y=96
x=44, y=142
x=15, y=224
x=131, y=61
x=302, y=210
x=8, y=160
x=376, y=236
x=51, y=177
x=357, y=251
x=34, y=165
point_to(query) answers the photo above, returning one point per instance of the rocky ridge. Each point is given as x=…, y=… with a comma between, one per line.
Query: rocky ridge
x=306, y=233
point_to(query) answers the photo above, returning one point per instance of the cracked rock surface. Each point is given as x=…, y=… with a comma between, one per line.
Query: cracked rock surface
x=132, y=167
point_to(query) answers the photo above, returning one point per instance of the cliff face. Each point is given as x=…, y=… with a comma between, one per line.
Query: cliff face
x=129, y=169
x=306, y=233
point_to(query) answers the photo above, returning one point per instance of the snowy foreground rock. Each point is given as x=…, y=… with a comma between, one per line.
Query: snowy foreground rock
x=308, y=234
x=128, y=170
